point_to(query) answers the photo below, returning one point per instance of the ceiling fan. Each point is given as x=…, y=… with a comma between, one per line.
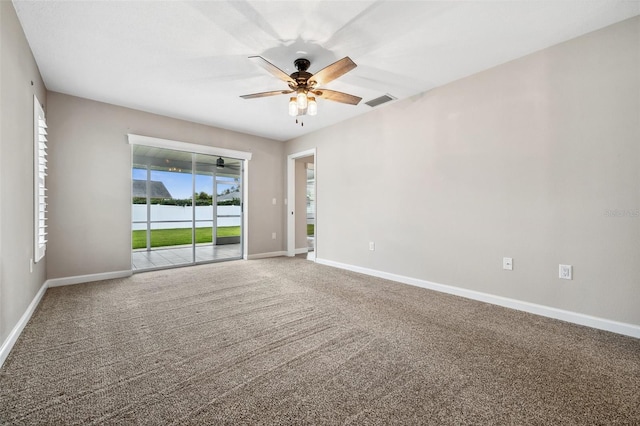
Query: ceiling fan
x=227, y=165
x=304, y=84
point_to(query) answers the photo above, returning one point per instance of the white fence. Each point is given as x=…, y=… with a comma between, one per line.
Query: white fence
x=165, y=214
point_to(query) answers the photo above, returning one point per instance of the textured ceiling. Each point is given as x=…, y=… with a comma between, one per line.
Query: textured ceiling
x=189, y=59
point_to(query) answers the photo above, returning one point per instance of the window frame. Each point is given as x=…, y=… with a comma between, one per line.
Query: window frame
x=39, y=181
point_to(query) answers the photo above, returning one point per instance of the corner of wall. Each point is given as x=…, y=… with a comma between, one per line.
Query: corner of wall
x=20, y=81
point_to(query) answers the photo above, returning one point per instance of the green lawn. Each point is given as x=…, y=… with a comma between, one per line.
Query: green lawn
x=180, y=236
x=310, y=229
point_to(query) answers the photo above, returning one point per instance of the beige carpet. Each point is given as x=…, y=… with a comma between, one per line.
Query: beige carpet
x=286, y=341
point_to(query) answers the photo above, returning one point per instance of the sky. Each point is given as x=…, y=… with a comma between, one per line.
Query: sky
x=179, y=184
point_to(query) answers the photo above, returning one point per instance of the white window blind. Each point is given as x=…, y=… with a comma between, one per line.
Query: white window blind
x=39, y=180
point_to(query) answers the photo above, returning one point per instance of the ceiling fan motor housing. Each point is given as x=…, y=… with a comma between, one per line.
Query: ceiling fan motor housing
x=301, y=77
x=302, y=64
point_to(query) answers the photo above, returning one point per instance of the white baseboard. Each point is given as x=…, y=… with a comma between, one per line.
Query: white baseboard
x=79, y=279
x=265, y=255
x=546, y=311
x=7, y=345
x=302, y=250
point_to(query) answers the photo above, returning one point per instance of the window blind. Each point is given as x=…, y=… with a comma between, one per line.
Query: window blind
x=39, y=179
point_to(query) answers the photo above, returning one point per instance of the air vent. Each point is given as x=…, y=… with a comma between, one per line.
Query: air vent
x=381, y=100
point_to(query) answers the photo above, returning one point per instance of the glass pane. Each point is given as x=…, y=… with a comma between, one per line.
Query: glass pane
x=138, y=186
x=229, y=210
x=204, y=232
x=229, y=218
x=138, y=207
x=204, y=175
x=164, y=234
x=170, y=195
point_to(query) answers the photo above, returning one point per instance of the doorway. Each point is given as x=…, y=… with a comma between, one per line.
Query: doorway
x=186, y=208
x=302, y=218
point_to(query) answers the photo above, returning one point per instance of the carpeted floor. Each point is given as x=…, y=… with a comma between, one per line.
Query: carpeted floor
x=287, y=341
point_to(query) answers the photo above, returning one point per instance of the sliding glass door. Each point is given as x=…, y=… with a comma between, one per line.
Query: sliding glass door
x=186, y=208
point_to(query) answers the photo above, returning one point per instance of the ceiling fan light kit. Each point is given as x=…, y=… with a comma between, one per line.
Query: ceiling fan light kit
x=303, y=83
x=301, y=99
x=293, y=107
x=310, y=109
x=312, y=106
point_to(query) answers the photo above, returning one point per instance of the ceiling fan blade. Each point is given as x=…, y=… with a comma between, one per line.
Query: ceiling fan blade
x=265, y=94
x=333, y=71
x=333, y=95
x=277, y=72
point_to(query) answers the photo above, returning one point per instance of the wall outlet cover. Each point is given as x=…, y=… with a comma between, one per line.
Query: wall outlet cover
x=507, y=263
x=565, y=272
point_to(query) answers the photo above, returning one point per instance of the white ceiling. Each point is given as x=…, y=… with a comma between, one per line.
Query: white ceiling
x=189, y=59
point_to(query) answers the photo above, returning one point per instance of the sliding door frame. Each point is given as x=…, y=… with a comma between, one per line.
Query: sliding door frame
x=244, y=156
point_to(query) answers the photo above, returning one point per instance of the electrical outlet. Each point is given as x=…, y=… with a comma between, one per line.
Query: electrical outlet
x=273, y=235
x=274, y=201
x=372, y=246
x=566, y=272
x=507, y=263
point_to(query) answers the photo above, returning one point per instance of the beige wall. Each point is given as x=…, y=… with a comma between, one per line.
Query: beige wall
x=18, y=70
x=90, y=180
x=526, y=160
